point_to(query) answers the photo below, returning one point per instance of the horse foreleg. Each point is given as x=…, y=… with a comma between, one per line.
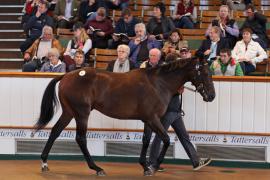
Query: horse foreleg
x=82, y=142
x=56, y=131
x=146, y=140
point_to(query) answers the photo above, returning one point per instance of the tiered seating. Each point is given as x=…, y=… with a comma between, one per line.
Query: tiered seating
x=102, y=57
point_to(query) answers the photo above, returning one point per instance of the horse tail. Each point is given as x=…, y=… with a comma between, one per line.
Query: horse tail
x=48, y=104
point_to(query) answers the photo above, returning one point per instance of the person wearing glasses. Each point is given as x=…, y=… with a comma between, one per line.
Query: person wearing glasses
x=122, y=63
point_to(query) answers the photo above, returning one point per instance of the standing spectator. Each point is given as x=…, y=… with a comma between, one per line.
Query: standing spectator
x=228, y=26
x=54, y=64
x=122, y=63
x=35, y=24
x=79, y=61
x=174, y=43
x=100, y=29
x=125, y=25
x=154, y=59
x=225, y=65
x=256, y=22
x=210, y=48
x=39, y=50
x=185, y=15
x=80, y=41
x=66, y=13
x=248, y=52
x=140, y=45
x=159, y=26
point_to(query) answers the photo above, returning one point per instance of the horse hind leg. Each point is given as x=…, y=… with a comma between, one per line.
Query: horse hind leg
x=55, y=132
x=81, y=122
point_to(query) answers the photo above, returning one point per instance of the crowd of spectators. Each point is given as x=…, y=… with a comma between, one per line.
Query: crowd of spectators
x=94, y=28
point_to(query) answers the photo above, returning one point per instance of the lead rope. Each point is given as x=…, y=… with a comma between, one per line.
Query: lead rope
x=182, y=113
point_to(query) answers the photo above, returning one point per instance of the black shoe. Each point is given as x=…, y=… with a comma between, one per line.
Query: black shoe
x=202, y=163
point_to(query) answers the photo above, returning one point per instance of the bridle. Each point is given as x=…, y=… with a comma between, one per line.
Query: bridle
x=198, y=78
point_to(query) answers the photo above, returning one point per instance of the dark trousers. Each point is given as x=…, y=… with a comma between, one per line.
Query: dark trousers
x=176, y=121
x=247, y=67
x=27, y=43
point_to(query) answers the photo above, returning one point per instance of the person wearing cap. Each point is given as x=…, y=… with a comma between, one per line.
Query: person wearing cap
x=174, y=43
x=210, y=48
x=159, y=26
x=100, y=29
x=36, y=55
x=122, y=63
x=125, y=25
x=185, y=53
x=248, y=52
x=66, y=13
x=257, y=23
x=174, y=117
x=225, y=65
x=80, y=41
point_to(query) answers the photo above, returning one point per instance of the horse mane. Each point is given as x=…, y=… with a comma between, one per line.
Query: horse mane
x=171, y=66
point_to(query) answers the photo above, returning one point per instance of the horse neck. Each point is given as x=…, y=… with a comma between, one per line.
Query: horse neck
x=172, y=80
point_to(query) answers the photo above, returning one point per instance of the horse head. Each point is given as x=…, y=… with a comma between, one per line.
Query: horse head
x=201, y=78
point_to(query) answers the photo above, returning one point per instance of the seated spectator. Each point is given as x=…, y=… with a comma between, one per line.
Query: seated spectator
x=80, y=41
x=35, y=24
x=154, y=59
x=185, y=53
x=159, y=26
x=248, y=52
x=185, y=14
x=122, y=63
x=234, y=4
x=79, y=61
x=100, y=29
x=117, y=4
x=126, y=25
x=87, y=10
x=174, y=43
x=30, y=6
x=256, y=22
x=211, y=47
x=140, y=45
x=36, y=55
x=54, y=64
x=225, y=65
x=66, y=13
x=228, y=26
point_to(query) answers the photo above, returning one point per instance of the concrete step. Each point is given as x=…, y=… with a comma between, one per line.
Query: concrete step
x=11, y=43
x=11, y=34
x=12, y=2
x=10, y=25
x=11, y=64
x=10, y=16
x=11, y=8
x=10, y=54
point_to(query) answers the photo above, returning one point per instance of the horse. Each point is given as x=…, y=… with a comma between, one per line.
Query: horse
x=141, y=94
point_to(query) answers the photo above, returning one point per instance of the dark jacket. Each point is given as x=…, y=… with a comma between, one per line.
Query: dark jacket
x=35, y=25
x=166, y=23
x=127, y=28
x=206, y=44
x=258, y=26
x=111, y=64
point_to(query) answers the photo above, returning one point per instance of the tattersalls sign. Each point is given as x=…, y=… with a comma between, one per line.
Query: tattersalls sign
x=137, y=136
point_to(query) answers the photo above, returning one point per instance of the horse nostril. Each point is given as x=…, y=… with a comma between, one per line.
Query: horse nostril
x=211, y=97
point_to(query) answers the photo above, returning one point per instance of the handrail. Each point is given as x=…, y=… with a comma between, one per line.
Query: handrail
x=215, y=78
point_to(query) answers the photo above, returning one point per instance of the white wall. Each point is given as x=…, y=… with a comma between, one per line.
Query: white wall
x=238, y=107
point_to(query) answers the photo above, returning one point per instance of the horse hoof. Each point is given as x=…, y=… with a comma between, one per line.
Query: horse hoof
x=45, y=169
x=101, y=173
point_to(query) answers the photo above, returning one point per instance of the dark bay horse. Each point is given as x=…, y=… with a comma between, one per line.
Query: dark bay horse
x=142, y=94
